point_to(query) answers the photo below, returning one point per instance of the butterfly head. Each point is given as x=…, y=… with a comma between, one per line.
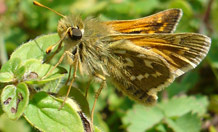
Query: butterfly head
x=69, y=27
x=73, y=26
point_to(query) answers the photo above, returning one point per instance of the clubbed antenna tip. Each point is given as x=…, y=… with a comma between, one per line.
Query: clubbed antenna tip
x=41, y=5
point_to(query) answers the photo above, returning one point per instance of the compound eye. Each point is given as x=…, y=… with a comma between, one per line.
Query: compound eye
x=76, y=34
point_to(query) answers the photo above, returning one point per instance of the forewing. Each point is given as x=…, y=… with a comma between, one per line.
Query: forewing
x=182, y=51
x=142, y=72
x=162, y=22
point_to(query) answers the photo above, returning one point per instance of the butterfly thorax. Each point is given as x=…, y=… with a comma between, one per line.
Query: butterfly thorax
x=93, y=53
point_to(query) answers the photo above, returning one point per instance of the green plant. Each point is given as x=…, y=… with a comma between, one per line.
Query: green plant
x=180, y=107
x=24, y=90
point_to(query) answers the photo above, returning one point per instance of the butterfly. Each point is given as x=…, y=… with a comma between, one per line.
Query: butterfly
x=140, y=57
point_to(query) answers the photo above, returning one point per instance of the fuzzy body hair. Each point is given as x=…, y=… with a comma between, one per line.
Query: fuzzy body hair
x=94, y=54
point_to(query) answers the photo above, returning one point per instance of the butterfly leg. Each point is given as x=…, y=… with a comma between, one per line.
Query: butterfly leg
x=103, y=83
x=75, y=67
x=87, y=88
x=50, y=48
x=59, y=43
x=69, y=75
x=60, y=60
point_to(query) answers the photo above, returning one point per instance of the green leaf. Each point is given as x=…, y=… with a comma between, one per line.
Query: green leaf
x=8, y=125
x=35, y=66
x=52, y=86
x=1, y=111
x=15, y=69
x=188, y=81
x=6, y=77
x=32, y=54
x=201, y=105
x=173, y=125
x=35, y=49
x=44, y=114
x=141, y=118
x=14, y=100
x=78, y=96
x=20, y=72
x=178, y=106
x=160, y=128
x=101, y=123
x=187, y=123
x=97, y=129
x=11, y=70
x=12, y=65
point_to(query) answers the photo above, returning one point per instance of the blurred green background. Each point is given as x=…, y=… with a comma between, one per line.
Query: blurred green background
x=190, y=104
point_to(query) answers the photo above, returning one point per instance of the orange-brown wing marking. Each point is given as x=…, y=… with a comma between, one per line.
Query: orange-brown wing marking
x=162, y=22
x=182, y=51
x=142, y=73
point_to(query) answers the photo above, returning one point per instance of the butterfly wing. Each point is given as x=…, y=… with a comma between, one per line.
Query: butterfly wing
x=182, y=51
x=150, y=58
x=140, y=73
x=150, y=62
x=162, y=22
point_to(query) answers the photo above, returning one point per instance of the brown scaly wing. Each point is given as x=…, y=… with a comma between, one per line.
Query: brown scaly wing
x=182, y=51
x=150, y=62
x=162, y=22
x=140, y=73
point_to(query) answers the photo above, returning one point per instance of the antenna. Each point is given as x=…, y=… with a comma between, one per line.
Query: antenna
x=41, y=5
